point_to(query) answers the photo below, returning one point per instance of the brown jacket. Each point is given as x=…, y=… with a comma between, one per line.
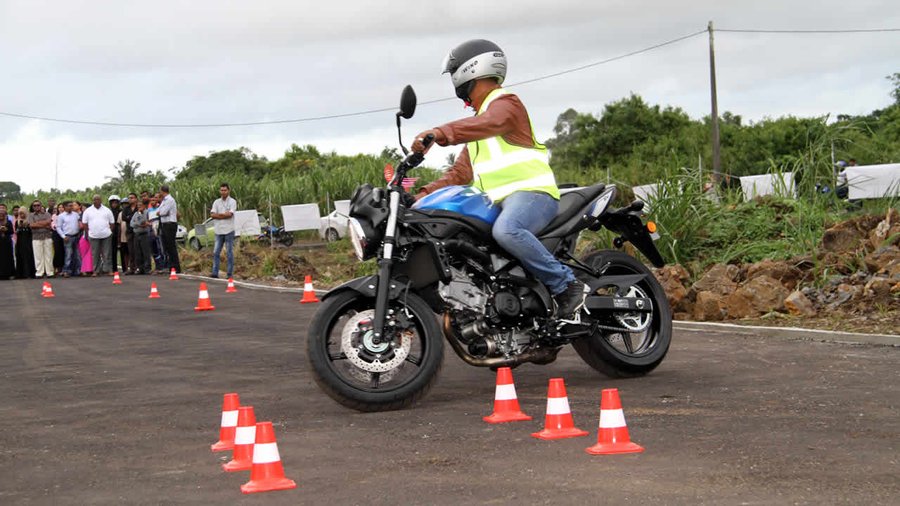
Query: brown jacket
x=505, y=116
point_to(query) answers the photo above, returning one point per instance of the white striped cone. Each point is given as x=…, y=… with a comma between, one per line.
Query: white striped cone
x=506, y=404
x=612, y=436
x=228, y=425
x=267, y=474
x=309, y=294
x=558, y=423
x=244, y=439
x=203, y=302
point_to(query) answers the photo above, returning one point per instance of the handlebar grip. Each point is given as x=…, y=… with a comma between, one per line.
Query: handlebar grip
x=427, y=140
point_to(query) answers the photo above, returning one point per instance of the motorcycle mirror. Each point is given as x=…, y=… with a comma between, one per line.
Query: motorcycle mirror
x=407, y=102
x=407, y=109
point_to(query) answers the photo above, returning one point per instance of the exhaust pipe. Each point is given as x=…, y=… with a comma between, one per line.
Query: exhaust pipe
x=538, y=356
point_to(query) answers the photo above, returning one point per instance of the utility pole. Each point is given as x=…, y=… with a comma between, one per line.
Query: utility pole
x=717, y=163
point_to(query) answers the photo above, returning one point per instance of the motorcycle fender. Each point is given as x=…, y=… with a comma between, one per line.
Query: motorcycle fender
x=366, y=286
x=633, y=230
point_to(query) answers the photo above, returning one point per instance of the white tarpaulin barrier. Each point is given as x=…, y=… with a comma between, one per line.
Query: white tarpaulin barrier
x=342, y=207
x=873, y=181
x=246, y=223
x=644, y=193
x=300, y=217
x=768, y=184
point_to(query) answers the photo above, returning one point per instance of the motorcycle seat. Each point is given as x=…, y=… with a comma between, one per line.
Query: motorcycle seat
x=571, y=202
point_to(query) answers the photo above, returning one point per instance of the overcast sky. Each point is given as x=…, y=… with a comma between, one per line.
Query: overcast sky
x=240, y=61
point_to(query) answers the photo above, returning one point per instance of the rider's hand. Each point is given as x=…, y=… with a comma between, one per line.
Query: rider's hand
x=439, y=138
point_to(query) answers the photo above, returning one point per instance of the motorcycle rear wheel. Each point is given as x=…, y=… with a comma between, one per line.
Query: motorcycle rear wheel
x=618, y=354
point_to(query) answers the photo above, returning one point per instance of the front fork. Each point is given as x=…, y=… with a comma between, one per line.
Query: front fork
x=384, y=267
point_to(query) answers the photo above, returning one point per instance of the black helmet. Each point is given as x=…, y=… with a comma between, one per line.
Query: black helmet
x=471, y=60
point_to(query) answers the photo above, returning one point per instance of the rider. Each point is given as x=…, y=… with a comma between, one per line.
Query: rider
x=503, y=159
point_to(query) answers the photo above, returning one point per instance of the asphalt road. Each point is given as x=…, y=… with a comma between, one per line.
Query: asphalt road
x=107, y=397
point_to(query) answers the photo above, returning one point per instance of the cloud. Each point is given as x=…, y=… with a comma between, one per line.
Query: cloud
x=236, y=61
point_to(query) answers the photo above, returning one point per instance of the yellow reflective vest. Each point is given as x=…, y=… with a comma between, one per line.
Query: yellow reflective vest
x=500, y=168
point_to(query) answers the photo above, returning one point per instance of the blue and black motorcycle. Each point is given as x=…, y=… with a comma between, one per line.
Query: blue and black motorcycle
x=376, y=343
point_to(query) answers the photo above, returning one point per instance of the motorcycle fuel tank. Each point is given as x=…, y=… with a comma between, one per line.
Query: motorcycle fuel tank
x=464, y=200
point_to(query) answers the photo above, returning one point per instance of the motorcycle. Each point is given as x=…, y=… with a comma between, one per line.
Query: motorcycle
x=278, y=234
x=375, y=343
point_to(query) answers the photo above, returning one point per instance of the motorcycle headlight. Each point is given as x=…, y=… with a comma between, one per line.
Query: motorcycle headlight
x=358, y=238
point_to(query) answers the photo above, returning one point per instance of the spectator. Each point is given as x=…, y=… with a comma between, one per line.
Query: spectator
x=14, y=217
x=24, y=249
x=159, y=256
x=59, y=245
x=140, y=226
x=114, y=201
x=222, y=213
x=126, y=234
x=168, y=217
x=41, y=239
x=67, y=228
x=7, y=266
x=98, y=220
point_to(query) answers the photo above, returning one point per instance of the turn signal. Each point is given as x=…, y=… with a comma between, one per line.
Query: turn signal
x=651, y=227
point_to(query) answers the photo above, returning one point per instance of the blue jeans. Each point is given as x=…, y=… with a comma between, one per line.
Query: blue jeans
x=522, y=215
x=228, y=239
x=72, y=263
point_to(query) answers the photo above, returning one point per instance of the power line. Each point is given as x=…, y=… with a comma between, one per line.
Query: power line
x=434, y=101
x=861, y=30
x=344, y=115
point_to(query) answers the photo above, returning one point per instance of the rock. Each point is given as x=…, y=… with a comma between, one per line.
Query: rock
x=785, y=272
x=891, y=270
x=799, y=305
x=881, y=257
x=672, y=279
x=720, y=279
x=843, y=294
x=887, y=229
x=681, y=317
x=847, y=235
x=877, y=287
x=758, y=296
x=708, y=307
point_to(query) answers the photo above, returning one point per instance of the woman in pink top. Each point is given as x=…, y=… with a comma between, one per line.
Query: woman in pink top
x=84, y=248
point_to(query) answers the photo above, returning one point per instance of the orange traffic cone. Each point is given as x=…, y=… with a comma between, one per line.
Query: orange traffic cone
x=244, y=438
x=506, y=404
x=44, y=289
x=267, y=473
x=613, y=434
x=231, y=288
x=154, y=293
x=309, y=295
x=116, y=279
x=558, y=422
x=48, y=291
x=203, y=302
x=230, y=405
x=173, y=275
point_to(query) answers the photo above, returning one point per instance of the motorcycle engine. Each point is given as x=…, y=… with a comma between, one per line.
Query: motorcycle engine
x=494, y=318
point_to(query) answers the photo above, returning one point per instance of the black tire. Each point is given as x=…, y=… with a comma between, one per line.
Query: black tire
x=287, y=239
x=332, y=235
x=195, y=244
x=335, y=374
x=598, y=350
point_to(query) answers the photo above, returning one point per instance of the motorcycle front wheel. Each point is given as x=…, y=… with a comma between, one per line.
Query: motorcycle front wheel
x=628, y=353
x=368, y=374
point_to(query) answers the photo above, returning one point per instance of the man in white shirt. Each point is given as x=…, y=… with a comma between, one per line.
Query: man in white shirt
x=168, y=224
x=222, y=213
x=99, y=221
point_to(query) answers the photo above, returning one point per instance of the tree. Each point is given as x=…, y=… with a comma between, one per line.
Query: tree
x=10, y=191
x=127, y=170
x=895, y=80
x=232, y=161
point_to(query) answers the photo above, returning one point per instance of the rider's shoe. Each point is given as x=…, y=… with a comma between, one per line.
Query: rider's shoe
x=570, y=300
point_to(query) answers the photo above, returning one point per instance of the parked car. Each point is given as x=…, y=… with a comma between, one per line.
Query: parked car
x=181, y=234
x=196, y=243
x=333, y=226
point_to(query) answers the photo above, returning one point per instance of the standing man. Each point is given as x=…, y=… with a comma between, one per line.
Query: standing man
x=140, y=227
x=222, y=213
x=41, y=239
x=99, y=222
x=126, y=244
x=168, y=222
x=114, y=201
x=67, y=227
